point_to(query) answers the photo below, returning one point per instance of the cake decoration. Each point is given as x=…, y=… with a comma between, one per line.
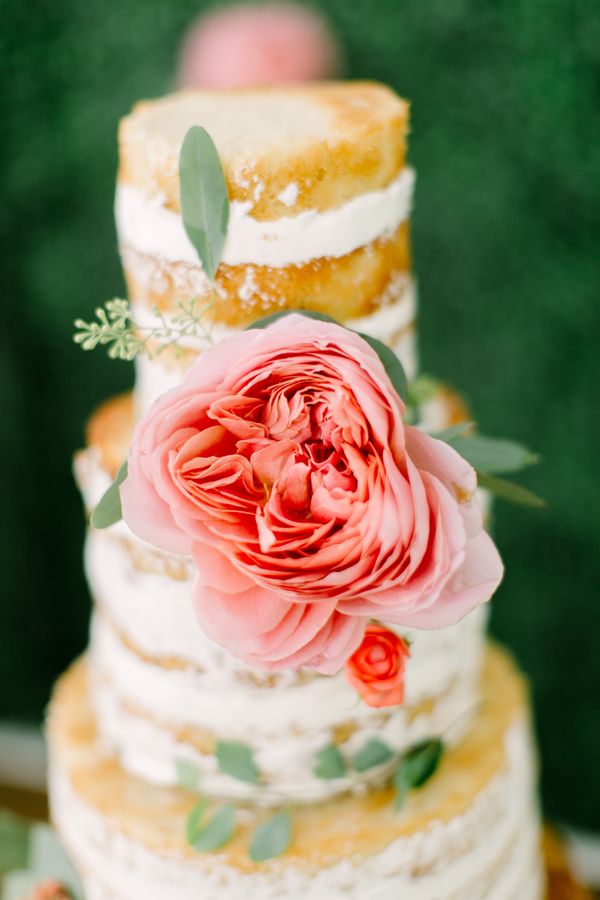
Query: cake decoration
x=290, y=572
x=282, y=465
x=236, y=759
x=329, y=763
x=376, y=668
x=272, y=837
x=126, y=338
x=206, y=831
x=213, y=833
x=203, y=198
x=416, y=767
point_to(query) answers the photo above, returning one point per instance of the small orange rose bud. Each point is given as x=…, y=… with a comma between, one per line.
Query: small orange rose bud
x=376, y=669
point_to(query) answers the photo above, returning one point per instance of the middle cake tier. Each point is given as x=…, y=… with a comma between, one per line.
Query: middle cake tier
x=165, y=695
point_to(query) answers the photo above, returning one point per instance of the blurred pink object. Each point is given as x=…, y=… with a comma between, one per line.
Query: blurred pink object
x=257, y=44
x=50, y=890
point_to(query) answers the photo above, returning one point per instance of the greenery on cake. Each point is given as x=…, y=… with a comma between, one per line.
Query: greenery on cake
x=117, y=329
x=204, y=198
x=210, y=829
x=236, y=759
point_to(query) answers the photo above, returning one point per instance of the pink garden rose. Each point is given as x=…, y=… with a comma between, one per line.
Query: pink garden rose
x=282, y=465
x=257, y=44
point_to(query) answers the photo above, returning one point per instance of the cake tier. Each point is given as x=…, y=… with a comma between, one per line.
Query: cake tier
x=319, y=205
x=163, y=692
x=470, y=834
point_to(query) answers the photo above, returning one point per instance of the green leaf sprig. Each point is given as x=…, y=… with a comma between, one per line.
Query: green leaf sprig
x=416, y=767
x=209, y=834
x=203, y=197
x=374, y=753
x=188, y=774
x=125, y=338
x=490, y=456
x=413, y=768
x=108, y=511
x=237, y=760
x=329, y=763
x=272, y=838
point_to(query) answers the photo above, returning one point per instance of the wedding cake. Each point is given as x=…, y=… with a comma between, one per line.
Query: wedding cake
x=288, y=692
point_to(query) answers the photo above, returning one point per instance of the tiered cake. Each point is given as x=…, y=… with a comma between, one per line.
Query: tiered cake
x=320, y=197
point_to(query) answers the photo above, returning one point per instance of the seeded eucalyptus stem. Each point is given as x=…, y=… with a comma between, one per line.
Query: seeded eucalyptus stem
x=116, y=328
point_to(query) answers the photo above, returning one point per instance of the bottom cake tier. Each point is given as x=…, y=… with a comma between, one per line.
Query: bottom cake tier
x=471, y=833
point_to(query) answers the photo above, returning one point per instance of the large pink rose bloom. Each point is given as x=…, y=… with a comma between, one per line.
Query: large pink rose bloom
x=281, y=463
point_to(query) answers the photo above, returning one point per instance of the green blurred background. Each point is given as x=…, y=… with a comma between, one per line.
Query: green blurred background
x=506, y=141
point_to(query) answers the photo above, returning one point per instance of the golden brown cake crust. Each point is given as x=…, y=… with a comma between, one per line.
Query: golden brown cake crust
x=347, y=287
x=109, y=430
x=561, y=883
x=362, y=148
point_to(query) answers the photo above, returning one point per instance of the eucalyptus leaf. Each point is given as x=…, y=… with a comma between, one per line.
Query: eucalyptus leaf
x=188, y=775
x=420, y=763
x=401, y=788
x=422, y=389
x=218, y=831
x=203, y=197
x=448, y=434
x=193, y=825
x=391, y=364
x=108, y=511
x=14, y=842
x=508, y=490
x=330, y=763
x=374, y=753
x=272, y=837
x=236, y=759
x=492, y=454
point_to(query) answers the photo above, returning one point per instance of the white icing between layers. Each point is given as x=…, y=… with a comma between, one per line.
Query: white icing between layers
x=146, y=225
x=499, y=829
x=155, y=613
x=141, y=706
x=156, y=375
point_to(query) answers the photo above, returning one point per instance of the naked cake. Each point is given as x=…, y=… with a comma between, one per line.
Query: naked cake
x=288, y=690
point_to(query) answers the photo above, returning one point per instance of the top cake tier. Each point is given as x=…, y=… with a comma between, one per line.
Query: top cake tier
x=319, y=200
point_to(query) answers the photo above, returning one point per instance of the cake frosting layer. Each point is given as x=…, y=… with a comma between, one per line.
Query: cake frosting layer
x=470, y=834
x=147, y=226
x=343, y=287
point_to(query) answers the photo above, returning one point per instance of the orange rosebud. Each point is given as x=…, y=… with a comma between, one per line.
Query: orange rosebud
x=376, y=669
x=50, y=890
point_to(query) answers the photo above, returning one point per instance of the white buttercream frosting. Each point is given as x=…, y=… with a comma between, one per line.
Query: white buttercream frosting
x=146, y=225
x=145, y=711
x=489, y=852
x=154, y=612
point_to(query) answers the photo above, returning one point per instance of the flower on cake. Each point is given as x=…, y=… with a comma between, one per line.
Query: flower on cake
x=282, y=464
x=49, y=890
x=376, y=669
